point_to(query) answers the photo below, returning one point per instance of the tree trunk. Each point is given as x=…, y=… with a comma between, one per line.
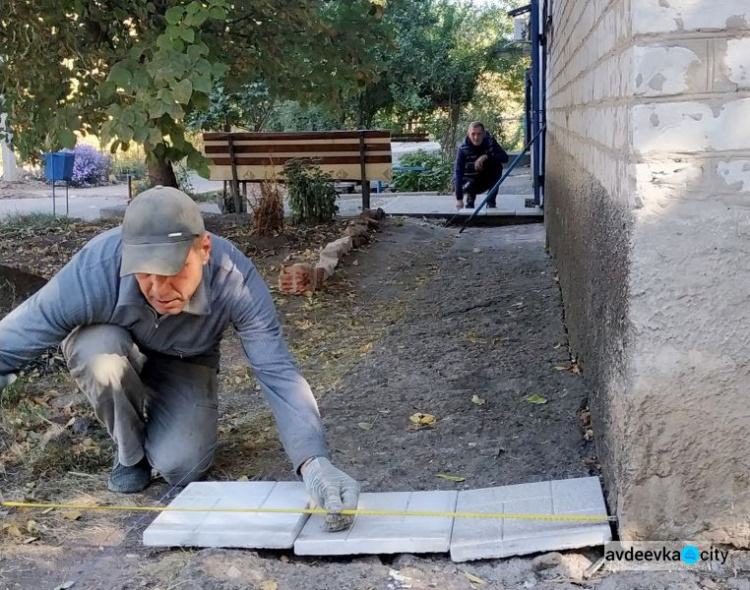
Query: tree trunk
x=160, y=170
x=450, y=143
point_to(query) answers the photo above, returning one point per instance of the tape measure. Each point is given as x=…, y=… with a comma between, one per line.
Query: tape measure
x=424, y=513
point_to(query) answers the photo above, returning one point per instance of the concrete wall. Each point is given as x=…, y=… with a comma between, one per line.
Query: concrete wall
x=648, y=216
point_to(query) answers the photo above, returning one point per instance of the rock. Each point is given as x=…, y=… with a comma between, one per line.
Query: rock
x=546, y=561
x=84, y=426
x=738, y=584
x=404, y=560
x=296, y=279
x=66, y=400
x=377, y=214
x=233, y=573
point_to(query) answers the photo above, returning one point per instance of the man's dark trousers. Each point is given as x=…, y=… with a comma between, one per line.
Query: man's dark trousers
x=479, y=184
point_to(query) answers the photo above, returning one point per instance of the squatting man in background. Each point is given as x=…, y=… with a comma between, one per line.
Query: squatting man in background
x=479, y=165
x=140, y=311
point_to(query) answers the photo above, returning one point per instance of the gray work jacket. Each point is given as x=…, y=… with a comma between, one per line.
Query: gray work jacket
x=88, y=290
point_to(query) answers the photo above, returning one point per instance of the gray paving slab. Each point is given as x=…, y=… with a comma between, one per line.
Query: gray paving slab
x=232, y=529
x=385, y=534
x=493, y=538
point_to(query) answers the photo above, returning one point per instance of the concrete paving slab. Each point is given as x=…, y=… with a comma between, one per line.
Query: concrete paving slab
x=489, y=538
x=385, y=534
x=232, y=529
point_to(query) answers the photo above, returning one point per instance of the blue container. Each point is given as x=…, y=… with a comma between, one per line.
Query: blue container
x=59, y=166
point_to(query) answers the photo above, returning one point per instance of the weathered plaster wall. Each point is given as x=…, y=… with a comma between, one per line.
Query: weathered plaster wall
x=648, y=215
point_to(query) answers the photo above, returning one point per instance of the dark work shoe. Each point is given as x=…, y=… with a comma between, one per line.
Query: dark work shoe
x=129, y=480
x=491, y=206
x=470, y=205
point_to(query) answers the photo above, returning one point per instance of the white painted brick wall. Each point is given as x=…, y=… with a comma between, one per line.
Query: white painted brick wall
x=737, y=61
x=665, y=16
x=691, y=126
x=662, y=71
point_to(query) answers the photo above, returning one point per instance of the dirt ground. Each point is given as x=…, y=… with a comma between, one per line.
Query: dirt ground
x=421, y=320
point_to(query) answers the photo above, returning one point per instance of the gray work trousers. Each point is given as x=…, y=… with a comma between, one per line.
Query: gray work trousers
x=162, y=407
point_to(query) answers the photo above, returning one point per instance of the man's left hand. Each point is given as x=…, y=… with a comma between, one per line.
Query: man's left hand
x=332, y=490
x=479, y=164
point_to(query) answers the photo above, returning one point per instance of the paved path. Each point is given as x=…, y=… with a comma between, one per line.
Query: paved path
x=88, y=203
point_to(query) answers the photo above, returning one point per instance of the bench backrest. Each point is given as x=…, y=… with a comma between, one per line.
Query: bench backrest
x=410, y=137
x=261, y=156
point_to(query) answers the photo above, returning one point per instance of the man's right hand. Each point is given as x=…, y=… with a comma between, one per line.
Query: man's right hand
x=6, y=380
x=459, y=204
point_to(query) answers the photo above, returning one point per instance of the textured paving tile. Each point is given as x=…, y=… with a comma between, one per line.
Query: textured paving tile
x=385, y=534
x=490, y=538
x=231, y=529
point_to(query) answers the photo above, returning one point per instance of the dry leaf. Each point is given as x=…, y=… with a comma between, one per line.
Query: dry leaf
x=478, y=400
x=12, y=530
x=47, y=510
x=456, y=478
x=365, y=425
x=366, y=348
x=304, y=324
x=473, y=337
x=589, y=434
x=243, y=478
x=32, y=527
x=474, y=579
x=497, y=341
x=477, y=250
x=536, y=399
x=575, y=368
x=424, y=419
x=561, y=368
x=268, y=585
x=30, y=540
x=65, y=586
x=72, y=515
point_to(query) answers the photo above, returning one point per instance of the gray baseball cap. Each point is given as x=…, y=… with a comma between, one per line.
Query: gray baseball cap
x=158, y=230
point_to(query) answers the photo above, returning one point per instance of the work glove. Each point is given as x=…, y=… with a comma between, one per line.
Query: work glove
x=332, y=490
x=6, y=380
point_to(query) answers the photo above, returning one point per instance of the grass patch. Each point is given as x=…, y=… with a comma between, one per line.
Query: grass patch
x=43, y=221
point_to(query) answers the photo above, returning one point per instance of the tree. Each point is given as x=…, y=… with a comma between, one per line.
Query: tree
x=133, y=70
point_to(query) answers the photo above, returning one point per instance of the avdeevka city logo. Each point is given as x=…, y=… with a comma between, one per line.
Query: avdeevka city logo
x=690, y=554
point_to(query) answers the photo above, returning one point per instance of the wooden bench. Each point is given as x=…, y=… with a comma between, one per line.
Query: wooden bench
x=410, y=137
x=258, y=157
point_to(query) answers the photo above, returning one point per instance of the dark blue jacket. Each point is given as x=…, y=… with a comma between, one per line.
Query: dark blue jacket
x=468, y=153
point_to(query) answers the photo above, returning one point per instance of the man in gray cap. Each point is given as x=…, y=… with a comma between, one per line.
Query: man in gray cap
x=140, y=311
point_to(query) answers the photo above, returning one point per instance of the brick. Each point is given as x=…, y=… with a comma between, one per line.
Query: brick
x=657, y=16
x=489, y=538
x=296, y=279
x=663, y=71
x=736, y=61
x=385, y=534
x=690, y=126
x=231, y=529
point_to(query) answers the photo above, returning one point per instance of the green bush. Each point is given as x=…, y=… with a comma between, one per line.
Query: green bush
x=436, y=177
x=312, y=197
x=129, y=163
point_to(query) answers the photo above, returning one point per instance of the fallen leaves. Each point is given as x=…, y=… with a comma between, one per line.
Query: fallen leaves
x=474, y=579
x=478, y=400
x=72, y=515
x=536, y=399
x=268, y=585
x=455, y=478
x=423, y=419
x=365, y=425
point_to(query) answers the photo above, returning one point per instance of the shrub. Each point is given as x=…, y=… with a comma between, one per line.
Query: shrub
x=90, y=167
x=268, y=212
x=436, y=177
x=129, y=163
x=312, y=197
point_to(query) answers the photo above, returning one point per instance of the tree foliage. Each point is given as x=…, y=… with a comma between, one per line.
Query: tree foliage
x=133, y=71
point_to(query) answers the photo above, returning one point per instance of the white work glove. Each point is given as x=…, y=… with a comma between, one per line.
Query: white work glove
x=6, y=380
x=332, y=490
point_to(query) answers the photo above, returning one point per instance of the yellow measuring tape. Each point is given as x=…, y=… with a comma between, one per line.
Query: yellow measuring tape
x=498, y=515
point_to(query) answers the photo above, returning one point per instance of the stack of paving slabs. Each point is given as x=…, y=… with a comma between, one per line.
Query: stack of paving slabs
x=464, y=538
